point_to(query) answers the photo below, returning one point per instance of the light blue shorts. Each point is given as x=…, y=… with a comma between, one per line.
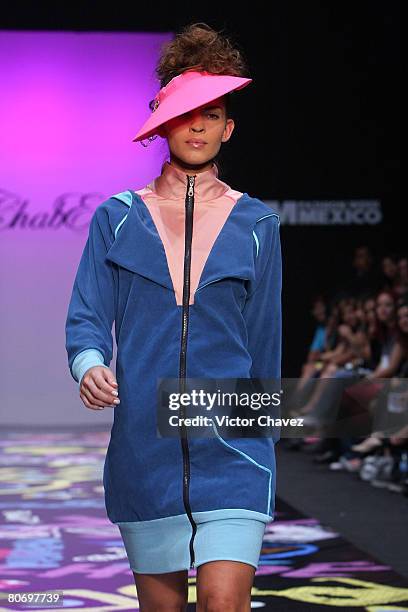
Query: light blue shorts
x=162, y=545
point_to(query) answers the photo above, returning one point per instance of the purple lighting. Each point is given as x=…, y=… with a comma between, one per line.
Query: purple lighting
x=72, y=105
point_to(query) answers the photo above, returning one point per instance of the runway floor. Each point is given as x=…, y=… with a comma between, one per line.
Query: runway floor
x=54, y=535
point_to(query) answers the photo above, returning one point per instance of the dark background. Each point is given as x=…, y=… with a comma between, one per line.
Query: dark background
x=321, y=120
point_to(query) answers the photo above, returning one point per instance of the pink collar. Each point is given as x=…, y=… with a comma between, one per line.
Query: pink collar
x=172, y=184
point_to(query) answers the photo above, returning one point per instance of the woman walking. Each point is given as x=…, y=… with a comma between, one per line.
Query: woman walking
x=190, y=271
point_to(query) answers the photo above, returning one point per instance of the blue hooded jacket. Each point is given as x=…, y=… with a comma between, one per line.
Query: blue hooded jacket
x=232, y=330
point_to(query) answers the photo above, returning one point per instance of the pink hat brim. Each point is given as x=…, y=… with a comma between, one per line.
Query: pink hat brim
x=188, y=91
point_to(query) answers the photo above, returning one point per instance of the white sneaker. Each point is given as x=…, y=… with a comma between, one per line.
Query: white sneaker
x=383, y=477
x=336, y=465
x=370, y=467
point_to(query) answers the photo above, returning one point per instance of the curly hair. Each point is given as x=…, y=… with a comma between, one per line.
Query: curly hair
x=198, y=46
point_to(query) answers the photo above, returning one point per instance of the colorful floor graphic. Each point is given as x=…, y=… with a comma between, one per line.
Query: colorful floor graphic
x=54, y=535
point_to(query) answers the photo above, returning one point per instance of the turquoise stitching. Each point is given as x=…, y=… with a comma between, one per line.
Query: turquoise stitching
x=257, y=242
x=260, y=219
x=119, y=224
x=263, y=467
x=271, y=215
x=123, y=197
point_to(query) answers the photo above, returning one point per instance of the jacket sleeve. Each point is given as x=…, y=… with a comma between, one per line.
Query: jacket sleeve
x=262, y=311
x=91, y=311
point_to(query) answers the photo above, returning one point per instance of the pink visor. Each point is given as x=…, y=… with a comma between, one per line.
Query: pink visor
x=185, y=92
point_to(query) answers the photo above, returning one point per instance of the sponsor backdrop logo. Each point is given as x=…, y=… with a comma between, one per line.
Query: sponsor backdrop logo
x=328, y=212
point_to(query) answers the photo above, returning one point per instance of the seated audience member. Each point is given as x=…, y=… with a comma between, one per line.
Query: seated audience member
x=357, y=397
x=352, y=345
x=396, y=367
x=311, y=368
x=318, y=344
x=371, y=349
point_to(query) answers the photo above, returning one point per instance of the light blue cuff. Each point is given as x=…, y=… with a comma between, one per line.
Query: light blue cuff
x=84, y=360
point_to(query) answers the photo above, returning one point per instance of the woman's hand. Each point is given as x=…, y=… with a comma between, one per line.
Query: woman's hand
x=99, y=388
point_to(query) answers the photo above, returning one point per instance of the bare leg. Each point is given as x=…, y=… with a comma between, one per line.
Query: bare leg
x=224, y=586
x=162, y=592
x=324, y=380
x=308, y=370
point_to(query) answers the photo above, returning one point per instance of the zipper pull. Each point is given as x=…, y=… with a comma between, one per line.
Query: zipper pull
x=191, y=186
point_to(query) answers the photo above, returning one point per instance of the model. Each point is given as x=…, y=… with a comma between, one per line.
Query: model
x=189, y=269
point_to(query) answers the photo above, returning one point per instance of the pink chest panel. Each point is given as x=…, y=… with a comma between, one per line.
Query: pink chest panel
x=169, y=218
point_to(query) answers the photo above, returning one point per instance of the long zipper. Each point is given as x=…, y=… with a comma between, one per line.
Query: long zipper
x=189, y=211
